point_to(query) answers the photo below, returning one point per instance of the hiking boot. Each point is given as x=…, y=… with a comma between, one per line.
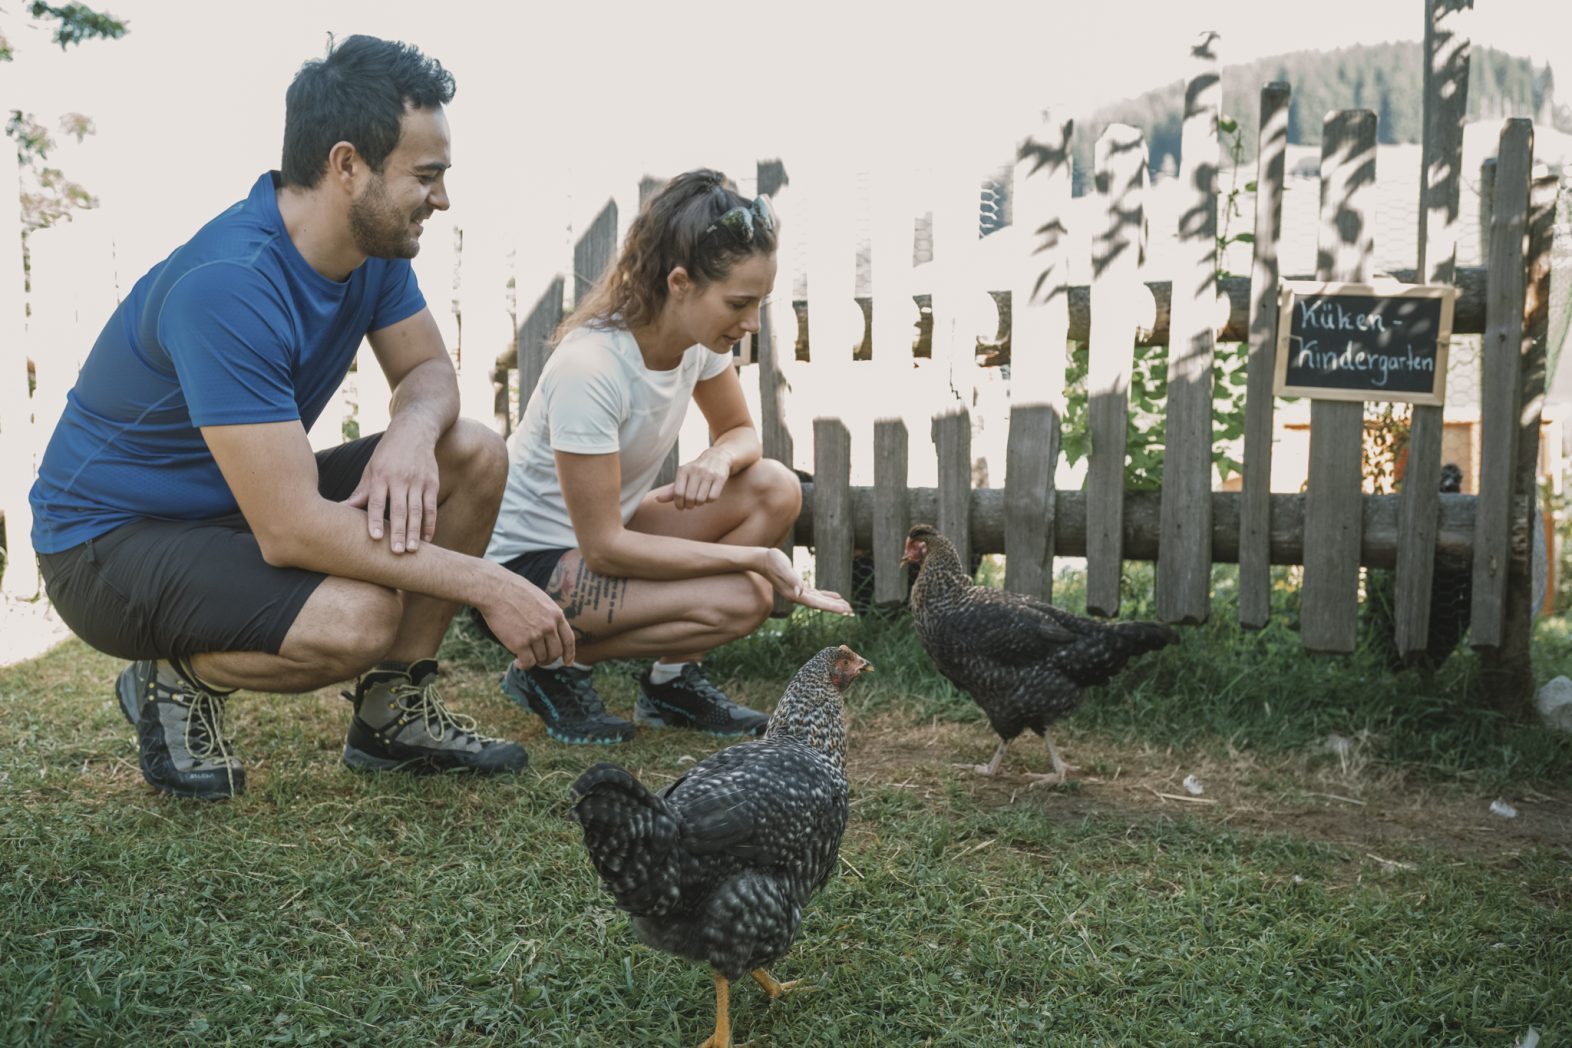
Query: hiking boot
x=569, y=704
x=691, y=701
x=181, y=734
x=400, y=723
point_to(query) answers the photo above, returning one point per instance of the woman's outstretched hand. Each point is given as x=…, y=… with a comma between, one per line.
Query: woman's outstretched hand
x=789, y=584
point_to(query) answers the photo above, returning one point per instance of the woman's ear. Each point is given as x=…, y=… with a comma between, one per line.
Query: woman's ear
x=678, y=283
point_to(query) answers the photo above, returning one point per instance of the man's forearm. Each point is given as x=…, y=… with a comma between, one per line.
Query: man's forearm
x=330, y=537
x=427, y=397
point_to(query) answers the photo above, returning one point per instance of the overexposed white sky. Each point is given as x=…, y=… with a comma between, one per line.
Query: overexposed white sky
x=583, y=99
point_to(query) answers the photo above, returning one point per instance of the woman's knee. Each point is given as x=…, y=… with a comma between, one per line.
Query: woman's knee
x=775, y=487
x=735, y=605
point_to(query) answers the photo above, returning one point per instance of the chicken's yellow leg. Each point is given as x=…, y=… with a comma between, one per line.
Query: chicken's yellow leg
x=722, y=1036
x=771, y=987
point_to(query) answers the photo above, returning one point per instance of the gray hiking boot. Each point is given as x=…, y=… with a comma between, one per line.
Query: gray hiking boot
x=181, y=734
x=402, y=724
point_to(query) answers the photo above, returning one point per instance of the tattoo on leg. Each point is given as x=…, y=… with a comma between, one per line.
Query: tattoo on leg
x=578, y=589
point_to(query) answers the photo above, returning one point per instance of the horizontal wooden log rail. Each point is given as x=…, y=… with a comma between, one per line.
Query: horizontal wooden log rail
x=1467, y=319
x=1378, y=546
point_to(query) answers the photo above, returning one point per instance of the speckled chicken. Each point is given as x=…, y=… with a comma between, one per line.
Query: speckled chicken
x=718, y=866
x=1022, y=660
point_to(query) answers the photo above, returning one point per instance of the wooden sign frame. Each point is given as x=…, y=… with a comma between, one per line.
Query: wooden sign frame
x=1290, y=291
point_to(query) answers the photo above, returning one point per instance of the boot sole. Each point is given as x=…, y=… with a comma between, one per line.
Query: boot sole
x=359, y=760
x=193, y=793
x=654, y=720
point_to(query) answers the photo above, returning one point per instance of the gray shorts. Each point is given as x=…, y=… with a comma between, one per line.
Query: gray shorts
x=155, y=589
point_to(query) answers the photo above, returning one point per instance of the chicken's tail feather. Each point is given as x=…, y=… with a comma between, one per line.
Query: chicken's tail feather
x=629, y=834
x=1102, y=654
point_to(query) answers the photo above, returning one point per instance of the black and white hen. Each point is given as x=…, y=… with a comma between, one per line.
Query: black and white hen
x=1022, y=660
x=718, y=866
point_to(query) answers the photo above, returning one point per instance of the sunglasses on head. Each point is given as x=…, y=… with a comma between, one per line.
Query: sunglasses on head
x=741, y=220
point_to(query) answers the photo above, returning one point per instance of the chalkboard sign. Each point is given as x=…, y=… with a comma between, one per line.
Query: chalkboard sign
x=1363, y=341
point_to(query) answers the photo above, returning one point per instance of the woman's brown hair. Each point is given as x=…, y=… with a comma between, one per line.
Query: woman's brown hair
x=679, y=226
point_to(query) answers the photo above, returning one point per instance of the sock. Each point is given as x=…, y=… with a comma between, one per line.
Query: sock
x=554, y=664
x=666, y=672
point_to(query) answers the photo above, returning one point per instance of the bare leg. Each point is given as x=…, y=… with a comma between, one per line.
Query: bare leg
x=344, y=627
x=721, y=1038
x=992, y=766
x=348, y=626
x=758, y=508
x=679, y=620
x=771, y=986
x=472, y=462
x=640, y=618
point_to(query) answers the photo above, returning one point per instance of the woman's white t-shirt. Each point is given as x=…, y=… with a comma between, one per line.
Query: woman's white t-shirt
x=595, y=397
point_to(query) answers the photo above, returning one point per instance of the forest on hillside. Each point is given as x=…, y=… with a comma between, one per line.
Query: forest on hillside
x=1387, y=78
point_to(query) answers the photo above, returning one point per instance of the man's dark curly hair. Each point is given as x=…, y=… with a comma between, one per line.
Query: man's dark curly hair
x=356, y=94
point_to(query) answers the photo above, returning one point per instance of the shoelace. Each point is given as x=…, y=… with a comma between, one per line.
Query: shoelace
x=209, y=742
x=585, y=695
x=701, y=685
x=423, y=699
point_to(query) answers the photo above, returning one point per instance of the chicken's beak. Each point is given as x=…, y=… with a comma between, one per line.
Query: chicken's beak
x=912, y=553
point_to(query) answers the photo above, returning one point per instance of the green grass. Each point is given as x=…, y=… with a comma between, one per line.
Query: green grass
x=324, y=907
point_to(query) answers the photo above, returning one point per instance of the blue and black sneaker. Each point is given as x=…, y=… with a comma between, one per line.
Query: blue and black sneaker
x=569, y=704
x=691, y=701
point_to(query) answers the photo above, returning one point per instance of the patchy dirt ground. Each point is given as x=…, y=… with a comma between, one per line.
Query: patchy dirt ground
x=1337, y=798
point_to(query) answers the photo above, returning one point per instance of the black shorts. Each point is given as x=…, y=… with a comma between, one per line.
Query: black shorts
x=535, y=567
x=155, y=589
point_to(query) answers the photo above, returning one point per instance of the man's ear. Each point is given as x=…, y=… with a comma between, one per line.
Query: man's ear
x=344, y=164
x=678, y=283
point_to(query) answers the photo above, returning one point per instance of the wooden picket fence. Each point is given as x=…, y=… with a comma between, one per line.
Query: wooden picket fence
x=1331, y=528
x=847, y=382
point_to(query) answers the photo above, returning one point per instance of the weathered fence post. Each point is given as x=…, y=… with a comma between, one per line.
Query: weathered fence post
x=1184, y=555
x=954, y=354
x=1039, y=332
x=1121, y=183
x=1333, y=516
x=1508, y=670
x=894, y=311
x=771, y=349
x=1501, y=355
x=832, y=272
x=1440, y=186
x=1255, y=518
x=537, y=329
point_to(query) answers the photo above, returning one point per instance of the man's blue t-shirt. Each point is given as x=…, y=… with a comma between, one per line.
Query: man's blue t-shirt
x=235, y=327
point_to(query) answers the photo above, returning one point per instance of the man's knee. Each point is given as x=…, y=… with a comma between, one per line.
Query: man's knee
x=475, y=455
x=350, y=631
